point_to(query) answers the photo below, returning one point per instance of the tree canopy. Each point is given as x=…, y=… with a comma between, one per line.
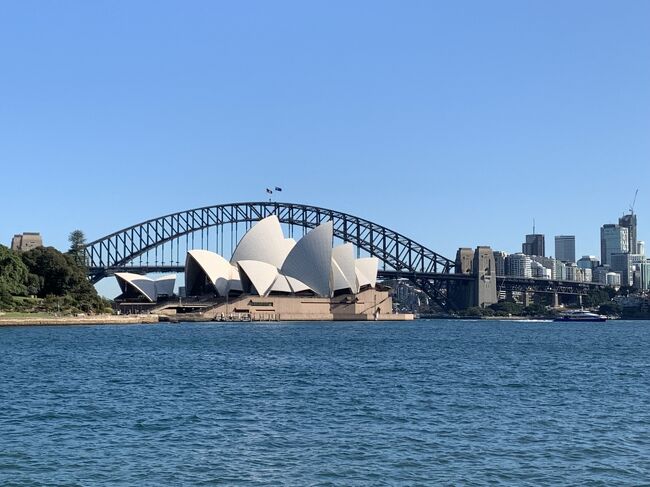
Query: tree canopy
x=13, y=273
x=50, y=275
x=77, y=241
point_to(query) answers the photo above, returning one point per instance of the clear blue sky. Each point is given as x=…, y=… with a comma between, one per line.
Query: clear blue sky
x=454, y=123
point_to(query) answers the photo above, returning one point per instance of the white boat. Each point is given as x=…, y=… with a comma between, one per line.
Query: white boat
x=580, y=315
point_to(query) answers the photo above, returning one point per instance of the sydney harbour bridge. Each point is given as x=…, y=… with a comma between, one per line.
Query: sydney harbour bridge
x=160, y=244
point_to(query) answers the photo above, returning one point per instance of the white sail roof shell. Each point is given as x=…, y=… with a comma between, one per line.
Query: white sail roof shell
x=289, y=244
x=339, y=282
x=234, y=284
x=213, y=265
x=165, y=285
x=261, y=274
x=264, y=242
x=281, y=285
x=310, y=260
x=296, y=285
x=343, y=268
x=366, y=270
x=142, y=284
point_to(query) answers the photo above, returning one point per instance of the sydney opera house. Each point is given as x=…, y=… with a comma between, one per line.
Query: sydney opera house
x=272, y=277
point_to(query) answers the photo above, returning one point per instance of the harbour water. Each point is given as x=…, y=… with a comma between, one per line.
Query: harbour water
x=409, y=403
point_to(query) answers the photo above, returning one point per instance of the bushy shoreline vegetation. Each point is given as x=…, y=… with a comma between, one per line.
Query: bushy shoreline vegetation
x=597, y=299
x=44, y=280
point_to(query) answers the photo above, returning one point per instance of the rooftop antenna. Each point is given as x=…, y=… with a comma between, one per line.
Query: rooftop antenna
x=634, y=201
x=533, y=226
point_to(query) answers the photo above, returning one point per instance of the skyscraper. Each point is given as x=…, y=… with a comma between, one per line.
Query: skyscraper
x=614, y=239
x=629, y=222
x=534, y=245
x=565, y=248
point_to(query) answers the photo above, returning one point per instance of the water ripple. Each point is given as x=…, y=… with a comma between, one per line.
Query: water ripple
x=423, y=403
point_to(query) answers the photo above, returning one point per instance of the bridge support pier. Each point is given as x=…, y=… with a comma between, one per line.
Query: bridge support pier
x=485, y=286
x=556, y=300
x=481, y=291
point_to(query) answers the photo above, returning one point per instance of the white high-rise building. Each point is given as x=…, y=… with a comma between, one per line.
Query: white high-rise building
x=573, y=272
x=539, y=271
x=518, y=265
x=613, y=279
x=640, y=247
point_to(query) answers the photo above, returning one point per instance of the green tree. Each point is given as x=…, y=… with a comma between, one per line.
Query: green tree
x=506, y=308
x=609, y=309
x=59, y=275
x=596, y=297
x=627, y=290
x=13, y=273
x=535, y=310
x=52, y=268
x=77, y=241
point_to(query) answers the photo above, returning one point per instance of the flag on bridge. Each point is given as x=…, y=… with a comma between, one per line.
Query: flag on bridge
x=278, y=189
x=269, y=191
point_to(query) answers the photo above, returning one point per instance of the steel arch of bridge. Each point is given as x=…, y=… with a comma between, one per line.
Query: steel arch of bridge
x=392, y=248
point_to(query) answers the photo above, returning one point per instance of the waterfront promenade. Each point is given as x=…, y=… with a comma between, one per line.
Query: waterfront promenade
x=49, y=320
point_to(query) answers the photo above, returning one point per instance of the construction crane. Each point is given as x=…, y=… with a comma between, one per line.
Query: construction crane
x=633, y=202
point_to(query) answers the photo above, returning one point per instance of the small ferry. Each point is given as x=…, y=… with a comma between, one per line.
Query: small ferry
x=580, y=315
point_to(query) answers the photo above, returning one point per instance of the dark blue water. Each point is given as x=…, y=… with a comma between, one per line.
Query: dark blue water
x=422, y=403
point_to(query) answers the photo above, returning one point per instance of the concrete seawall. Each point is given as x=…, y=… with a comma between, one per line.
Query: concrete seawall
x=78, y=320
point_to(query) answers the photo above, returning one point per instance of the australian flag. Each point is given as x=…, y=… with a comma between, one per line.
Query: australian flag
x=278, y=189
x=269, y=191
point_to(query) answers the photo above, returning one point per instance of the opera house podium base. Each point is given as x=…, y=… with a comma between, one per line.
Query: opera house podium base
x=368, y=305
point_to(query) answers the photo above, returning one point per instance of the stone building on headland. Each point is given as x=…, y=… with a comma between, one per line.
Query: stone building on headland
x=26, y=241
